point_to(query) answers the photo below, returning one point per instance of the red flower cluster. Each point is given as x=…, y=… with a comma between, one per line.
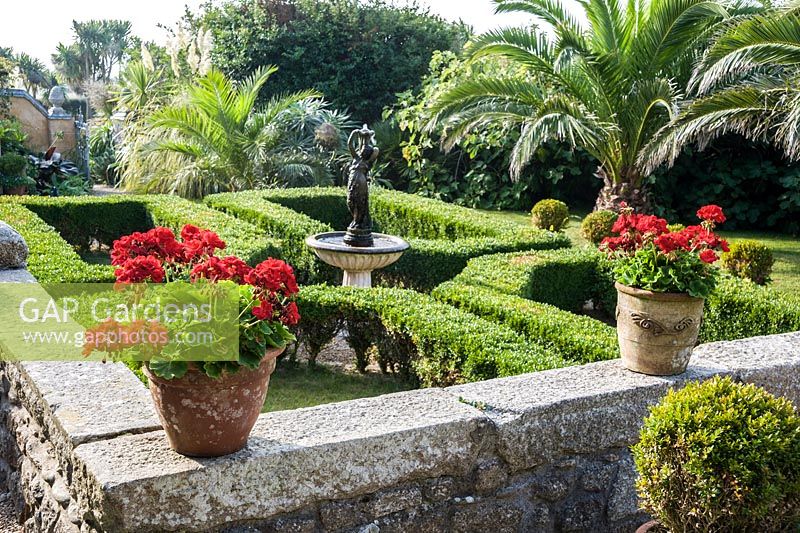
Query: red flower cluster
x=140, y=269
x=637, y=231
x=149, y=256
x=711, y=213
x=275, y=283
x=218, y=269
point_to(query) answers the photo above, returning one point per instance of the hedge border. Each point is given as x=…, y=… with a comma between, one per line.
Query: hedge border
x=518, y=293
x=460, y=233
x=413, y=331
x=84, y=218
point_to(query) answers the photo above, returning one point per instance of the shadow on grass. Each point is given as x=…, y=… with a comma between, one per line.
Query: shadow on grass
x=295, y=385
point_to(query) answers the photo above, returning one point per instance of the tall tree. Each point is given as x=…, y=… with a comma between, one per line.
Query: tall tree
x=747, y=83
x=606, y=85
x=34, y=74
x=213, y=138
x=99, y=46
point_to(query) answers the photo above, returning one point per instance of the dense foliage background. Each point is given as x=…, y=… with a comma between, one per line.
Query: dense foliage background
x=358, y=54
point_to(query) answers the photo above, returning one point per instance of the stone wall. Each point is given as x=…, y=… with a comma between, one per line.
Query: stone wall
x=82, y=451
x=41, y=128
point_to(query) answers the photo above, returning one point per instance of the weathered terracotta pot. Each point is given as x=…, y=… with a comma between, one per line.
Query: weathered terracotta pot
x=205, y=417
x=657, y=331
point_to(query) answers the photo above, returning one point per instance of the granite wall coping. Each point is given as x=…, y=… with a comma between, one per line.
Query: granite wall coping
x=125, y=477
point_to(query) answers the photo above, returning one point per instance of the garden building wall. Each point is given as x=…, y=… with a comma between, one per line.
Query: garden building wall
x=82, y=451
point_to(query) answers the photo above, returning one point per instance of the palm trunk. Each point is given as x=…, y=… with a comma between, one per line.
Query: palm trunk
x=629, y=190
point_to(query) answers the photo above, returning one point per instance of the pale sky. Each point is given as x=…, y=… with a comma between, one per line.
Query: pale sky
x=37, y=31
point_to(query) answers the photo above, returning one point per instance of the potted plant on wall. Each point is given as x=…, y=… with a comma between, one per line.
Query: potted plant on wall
x=662, y=280
x=13, y=174
x=208, y=408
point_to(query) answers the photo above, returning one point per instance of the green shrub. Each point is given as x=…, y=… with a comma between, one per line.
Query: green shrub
x=597, y=226
x=12, y=165
x=550, y=214
x=51, y=259
x=749, y=259
x=563, y=278
x=387, y=48
x=418, y=336
x=739, y=308
x=442, y=237
x=721, y=456
x=573, y=337
x=81, y=220
x=290, y=226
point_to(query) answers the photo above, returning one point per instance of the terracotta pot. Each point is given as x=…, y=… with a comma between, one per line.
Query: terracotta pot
x=205, y=417
x=657, y=331
x=16, y=191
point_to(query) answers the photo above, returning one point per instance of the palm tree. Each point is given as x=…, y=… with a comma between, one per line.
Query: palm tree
x=34, y=74
x=605, y=86
x=211, y=139
x=748, y=82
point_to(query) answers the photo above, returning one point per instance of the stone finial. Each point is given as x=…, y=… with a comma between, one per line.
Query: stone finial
x=13, y=249
x=57, y=97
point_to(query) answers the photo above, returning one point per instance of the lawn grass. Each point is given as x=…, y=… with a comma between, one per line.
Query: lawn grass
x=295, y=385
x=785, y=274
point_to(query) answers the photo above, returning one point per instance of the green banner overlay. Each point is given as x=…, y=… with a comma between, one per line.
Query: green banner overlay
x=178, y=321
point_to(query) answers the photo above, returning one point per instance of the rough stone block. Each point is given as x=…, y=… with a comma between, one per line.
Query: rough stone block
x=772, y=362
x=102, y=400
x=13, y=250
x=293, y=458
x=572, y=410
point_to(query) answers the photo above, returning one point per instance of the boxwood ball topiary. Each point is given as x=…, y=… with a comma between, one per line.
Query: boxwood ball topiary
x=721, y=456
x=597, y=226
x=751, y=260
x=550, y=214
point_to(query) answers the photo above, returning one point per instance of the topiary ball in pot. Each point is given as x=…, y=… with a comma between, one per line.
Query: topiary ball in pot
x=597, y=226
x=751, y=260
x=550, y=214
x=721, y=456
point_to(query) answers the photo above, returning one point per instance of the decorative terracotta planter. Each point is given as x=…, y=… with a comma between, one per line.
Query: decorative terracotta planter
x=657, y=331
x=205, y=417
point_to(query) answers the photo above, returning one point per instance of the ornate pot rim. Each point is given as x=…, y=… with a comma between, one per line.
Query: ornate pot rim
x=195, y=377
x=660, y=296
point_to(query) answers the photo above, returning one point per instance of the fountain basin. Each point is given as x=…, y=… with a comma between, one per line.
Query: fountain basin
x=357, y=262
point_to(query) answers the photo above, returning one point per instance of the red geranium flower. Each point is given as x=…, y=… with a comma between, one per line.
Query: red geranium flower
x=708, y=256
x=290, y=315
x=712, y=213
x=217, y=269
x=273, y=275
x=158, y=242
x=264, y=311
x=140, y=269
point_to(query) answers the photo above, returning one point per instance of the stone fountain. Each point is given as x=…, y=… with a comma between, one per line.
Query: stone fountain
x=358, y=251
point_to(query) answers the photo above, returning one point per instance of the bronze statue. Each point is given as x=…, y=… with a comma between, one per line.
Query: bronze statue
x=364, y=153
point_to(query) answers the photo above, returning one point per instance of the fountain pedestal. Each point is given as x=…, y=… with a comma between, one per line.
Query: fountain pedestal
x=357, y=262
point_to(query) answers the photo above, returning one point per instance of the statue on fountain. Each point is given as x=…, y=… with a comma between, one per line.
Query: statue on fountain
x=364, y=153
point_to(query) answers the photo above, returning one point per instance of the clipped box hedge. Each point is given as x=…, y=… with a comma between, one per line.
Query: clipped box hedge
x=417, y=335
x=515, y=290
x=443, y=237
x=739, y=308
x=57, y=228
x=51, y=259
